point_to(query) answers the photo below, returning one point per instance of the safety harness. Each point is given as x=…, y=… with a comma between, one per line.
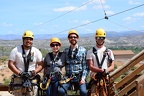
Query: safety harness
x=73, y=78
x=48, y=77
x=27, y=85
x=98, y=85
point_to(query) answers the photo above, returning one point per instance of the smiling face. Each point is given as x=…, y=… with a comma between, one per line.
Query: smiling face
x=27, y=42
x=100, y=41
x=55, y=47
x=73, y=39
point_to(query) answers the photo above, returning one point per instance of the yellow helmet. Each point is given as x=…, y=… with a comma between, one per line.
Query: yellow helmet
x=28, y=33
x=57, y=40
x=100, y=33
x=73, y=32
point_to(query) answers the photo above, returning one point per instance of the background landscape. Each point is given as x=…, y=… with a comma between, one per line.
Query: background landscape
x=115, y=40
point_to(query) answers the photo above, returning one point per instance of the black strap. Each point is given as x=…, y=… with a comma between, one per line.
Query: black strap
x=71, y=55
x=55, y=59
x=104, y=55
x=26, y=58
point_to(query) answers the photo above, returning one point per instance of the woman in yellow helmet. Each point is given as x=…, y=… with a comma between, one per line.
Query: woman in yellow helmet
x=53, y=64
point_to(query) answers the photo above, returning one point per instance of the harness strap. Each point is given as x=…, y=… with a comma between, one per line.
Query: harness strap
x=26, y=58
x=54, y=59
x=97, y=59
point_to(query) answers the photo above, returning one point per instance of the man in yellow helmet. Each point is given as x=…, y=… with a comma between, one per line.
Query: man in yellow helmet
x=53, y=63
x=76, y=66
x=25, y=62
x=100, y=61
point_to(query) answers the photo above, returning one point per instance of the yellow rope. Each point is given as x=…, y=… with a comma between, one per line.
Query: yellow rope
x=47, y=84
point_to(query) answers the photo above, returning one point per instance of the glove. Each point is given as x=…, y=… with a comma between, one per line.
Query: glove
x=26, y=75
x=105, y=73
x=22, y=74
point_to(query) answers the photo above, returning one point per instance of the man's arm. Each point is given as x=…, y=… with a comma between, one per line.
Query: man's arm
x=11, y=66
x=39, y=67
x=111, y=67
x=92, y=67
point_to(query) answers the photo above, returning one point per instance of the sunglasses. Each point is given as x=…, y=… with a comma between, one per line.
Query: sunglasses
x=72, y=37
x=100, y=38
x=53, y=45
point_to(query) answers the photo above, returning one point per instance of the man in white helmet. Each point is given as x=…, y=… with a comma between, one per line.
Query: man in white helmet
x=100, y=61
x=25, y=62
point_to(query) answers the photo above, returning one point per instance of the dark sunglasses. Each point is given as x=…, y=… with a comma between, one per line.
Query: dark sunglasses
x=72, y=37
x=100, y=38
x=53, y=45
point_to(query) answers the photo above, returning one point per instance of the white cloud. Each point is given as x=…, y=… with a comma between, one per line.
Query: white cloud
x=70, y=8
x=141, y=14
x=97, y=1
x=85, y=22
x=131, y=19
x=110, y=12
x=36, y=24
x=133, y=2
x=6, y=25
x=100, y=7
x=76, y=21
x=142, y=26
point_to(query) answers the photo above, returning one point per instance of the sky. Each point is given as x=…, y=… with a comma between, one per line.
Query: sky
x=60, y=16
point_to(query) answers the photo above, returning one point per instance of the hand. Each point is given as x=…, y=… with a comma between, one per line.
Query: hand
x=26, y=75
x=104, y=73
x=22, y=74
x=82, y=81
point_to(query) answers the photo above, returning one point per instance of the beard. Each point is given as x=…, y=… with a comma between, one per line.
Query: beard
x=73, y=43
x=100, y=44
x=27, y=47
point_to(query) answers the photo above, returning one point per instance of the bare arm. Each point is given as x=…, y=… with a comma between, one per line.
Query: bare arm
x=111, y=67
x=11, y=66
x=39, y=67
x=92, y=67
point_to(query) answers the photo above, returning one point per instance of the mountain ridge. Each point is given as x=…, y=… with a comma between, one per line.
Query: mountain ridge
x=110, y=34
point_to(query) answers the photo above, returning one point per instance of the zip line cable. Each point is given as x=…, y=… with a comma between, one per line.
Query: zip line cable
x=106, y=17
x=97, y=20
x=74, y=27
x=103, y=7
x=62, y=14
x=124, y=26
x=126, y=10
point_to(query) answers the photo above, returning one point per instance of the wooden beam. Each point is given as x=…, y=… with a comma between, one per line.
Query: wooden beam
x=132, y=62
x=3, y=87
x=140, y=85
x=134, y=93
x=129, y=77
x=127, y=88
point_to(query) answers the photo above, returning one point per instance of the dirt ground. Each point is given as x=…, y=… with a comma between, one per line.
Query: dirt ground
x=5, y=73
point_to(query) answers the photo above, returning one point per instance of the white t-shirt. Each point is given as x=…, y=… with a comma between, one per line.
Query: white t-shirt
x=16, y=56
x=100, y=52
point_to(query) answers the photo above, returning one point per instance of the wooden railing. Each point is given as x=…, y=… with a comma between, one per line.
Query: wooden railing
x=131, y=84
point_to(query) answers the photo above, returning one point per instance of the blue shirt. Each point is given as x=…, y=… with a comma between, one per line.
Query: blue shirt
x=76, y=61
